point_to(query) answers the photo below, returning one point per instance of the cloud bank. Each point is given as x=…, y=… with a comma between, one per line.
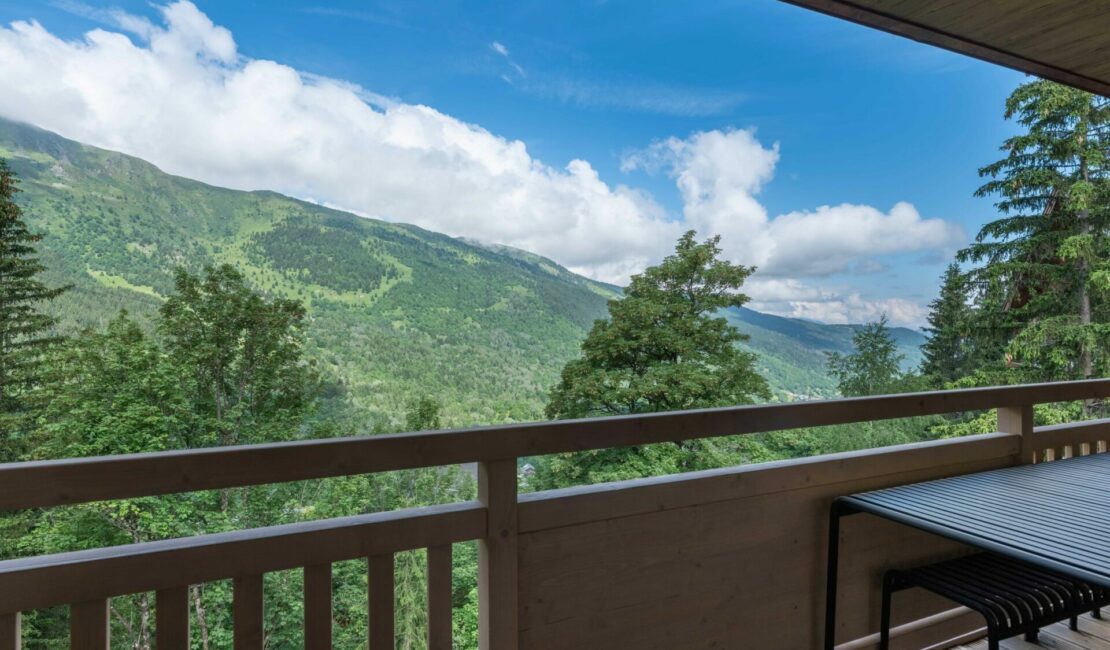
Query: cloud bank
x=179, y=94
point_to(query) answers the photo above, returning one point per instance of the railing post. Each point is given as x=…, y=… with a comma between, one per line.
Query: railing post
x=88, y=626
x=497, y=556
x=382, y=586
x=171, y=616
x=317, y=606
x=439, y=597
x=11, y=634
x=1018, y=420
x=246, y=613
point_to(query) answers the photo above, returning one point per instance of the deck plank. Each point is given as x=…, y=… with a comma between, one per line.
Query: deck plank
x=1093, y=634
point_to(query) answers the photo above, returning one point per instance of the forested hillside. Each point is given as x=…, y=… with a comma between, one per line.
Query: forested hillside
x=395, y=312
x=793, y=352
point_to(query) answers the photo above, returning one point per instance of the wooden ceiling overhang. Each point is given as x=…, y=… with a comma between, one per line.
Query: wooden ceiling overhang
x=1063, y=40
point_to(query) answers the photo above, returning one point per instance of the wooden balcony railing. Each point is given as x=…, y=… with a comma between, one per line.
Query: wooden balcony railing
x=733, y=557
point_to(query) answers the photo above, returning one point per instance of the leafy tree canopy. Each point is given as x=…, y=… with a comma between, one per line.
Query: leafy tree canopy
x=663, y=347
x=242, y=356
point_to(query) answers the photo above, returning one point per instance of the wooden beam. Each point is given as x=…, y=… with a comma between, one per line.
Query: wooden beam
x=171, y=619
x=247, y=612
x=59, y=482
x=88, y=626
x=588, y=503
x=317, y=606
x=45, y=581
x=893, y=24
x=380, y=580
x=497, y=557
x=439, y=597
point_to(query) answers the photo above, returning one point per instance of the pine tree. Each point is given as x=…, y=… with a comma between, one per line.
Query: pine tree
x=948, y=350
x=26, y=333
x=874, y=368
x=1045, y=259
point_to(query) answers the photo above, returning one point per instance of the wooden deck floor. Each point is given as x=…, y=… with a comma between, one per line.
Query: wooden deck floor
x=1093, y=634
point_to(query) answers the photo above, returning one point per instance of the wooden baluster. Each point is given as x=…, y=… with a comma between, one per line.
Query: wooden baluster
x=317, y=606
x=11, y=634
x=439, y=597
x=380, y=581
x=88, y=626
x=1018, y=420
x=246, y=611
x=171, y=619
x=497, y=556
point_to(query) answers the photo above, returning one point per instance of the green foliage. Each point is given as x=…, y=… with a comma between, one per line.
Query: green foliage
x=1040, y=283
x=874, y=368
x=246, y=381
x=26, y=333
x=423, y=415
x=663, y=347
x=948, y=351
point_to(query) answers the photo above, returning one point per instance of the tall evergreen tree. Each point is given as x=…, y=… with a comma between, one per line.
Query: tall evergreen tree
x=948, y=351
x=25, y=332
x=874, y=367
x=1044, y=262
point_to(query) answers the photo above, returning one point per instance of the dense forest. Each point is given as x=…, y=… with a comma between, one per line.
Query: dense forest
x=255, y=344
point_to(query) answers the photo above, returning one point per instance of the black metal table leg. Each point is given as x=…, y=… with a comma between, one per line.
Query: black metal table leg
x=837, y=510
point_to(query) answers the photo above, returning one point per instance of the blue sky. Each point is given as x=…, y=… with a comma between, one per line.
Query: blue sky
x=860, y=119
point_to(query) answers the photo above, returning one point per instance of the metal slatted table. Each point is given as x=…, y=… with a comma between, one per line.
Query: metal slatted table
x=1055, y=515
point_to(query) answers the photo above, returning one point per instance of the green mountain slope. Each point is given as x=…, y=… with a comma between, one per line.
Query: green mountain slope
x=396, y=311
x=793, y=351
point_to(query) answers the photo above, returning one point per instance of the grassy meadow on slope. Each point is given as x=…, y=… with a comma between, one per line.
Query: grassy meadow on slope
x=396, y=311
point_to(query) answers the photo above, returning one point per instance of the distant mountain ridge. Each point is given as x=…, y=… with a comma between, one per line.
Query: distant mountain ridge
x=396, y=311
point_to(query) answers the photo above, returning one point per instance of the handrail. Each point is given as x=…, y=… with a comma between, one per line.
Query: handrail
x=82, y=480
x=81, y=576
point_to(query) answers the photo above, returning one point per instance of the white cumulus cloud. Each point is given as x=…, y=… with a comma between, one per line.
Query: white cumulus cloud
x=797, y=299
x=180, y=95
x=720, y=174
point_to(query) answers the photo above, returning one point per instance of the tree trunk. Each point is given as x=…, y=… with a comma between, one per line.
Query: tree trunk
x=144, y=622
x=1085, y=362
x=202, y=621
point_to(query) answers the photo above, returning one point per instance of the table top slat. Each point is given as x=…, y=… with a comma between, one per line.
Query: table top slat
x=1055, y=515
